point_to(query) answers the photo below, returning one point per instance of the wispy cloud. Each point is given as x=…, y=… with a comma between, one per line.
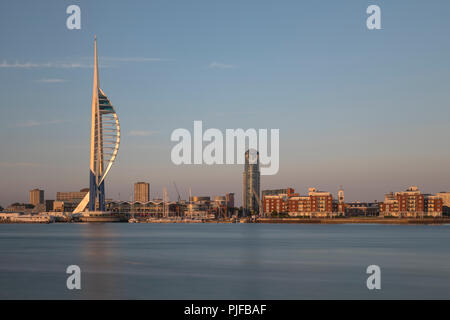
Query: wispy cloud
x=19, y=164
x=142, y=133
x=87, y=63
x=217, y=65
x=34, y=123
x=132, y=59
x=51, y=80
x=28, y=65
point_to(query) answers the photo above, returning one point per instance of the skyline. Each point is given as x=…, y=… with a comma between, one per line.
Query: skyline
x=366, y=110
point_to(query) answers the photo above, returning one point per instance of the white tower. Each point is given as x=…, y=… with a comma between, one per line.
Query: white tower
x=105, y=139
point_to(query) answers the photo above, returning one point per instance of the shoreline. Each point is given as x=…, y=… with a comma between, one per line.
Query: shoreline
x=392, y=221
x=376, y=220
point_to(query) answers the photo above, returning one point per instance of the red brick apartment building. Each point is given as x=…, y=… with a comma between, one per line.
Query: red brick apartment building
x=315, y=204
x=412, y=204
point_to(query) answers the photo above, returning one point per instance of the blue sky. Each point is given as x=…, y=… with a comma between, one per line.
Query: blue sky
x=368, y=110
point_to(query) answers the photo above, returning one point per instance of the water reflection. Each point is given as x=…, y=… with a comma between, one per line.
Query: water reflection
x=100, y=256
x=157, y=261
x=251, y=259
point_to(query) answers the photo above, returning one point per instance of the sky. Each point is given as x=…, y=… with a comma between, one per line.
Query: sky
x=365, y=109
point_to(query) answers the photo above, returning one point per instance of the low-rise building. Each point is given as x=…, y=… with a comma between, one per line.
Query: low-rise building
x=445, y=196
x=411, y=203
x=18, y=217
x=315, y=204
x=277, y=201
x=362, y=209
x=199, y=207
x=20, y=207
x=151, y=209
x=74, y=197
x=64, y=206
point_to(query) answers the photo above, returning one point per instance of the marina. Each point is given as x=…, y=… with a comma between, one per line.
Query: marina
x=108, y=217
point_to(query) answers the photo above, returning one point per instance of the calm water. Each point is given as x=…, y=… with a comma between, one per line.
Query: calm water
x=206, y=261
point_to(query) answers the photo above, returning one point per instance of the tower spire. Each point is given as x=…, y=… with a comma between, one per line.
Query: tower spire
x=96, y=80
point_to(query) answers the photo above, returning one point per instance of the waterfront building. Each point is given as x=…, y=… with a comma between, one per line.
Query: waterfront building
x=64, y=206
x=20, y=207
x=75, y=197
x=251, y=183
x=30, y=208
x=200, y=199
x=321, y=201
x=36, y=197
x=276, y=201
x=317, y=204
x=274, y=192
x=411, y=203
x=142, y=191
x=105, y=139
x=26, y=218
x=445, y=196
x=362, y=209
x=433, y=205
x=199, y=207
x=220, y=207
x=49, y=205
x=230, y=200
x=151, y=209
x=220, y=201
